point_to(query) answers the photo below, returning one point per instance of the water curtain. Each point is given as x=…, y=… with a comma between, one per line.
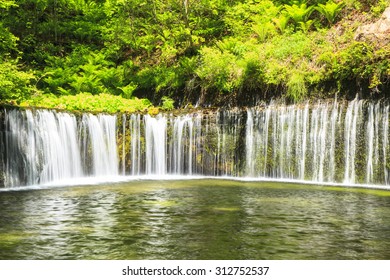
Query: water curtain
x=336, y=142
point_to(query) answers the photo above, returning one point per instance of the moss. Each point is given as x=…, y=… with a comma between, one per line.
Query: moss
x=153, y=111
x=296, y=87
x=86, y=102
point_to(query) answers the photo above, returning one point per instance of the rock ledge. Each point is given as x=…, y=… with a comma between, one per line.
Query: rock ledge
x=377, y=32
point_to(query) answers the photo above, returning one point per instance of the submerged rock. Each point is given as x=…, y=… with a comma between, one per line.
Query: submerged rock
x=377, y=32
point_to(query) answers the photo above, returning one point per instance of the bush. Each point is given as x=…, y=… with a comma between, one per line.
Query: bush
x=167, y=103
x=14, y=83
x=219, y=70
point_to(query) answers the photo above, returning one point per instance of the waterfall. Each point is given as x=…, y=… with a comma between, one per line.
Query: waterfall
x=249, y=143
x=155, y=142
x=377, y=132
x=182, y=145
x=101, y=139
x=55, y=136
x=44, y=146
x=124, y=144
x=385, y=132
x=351, y=132
x=324, y=142
x=135, y=131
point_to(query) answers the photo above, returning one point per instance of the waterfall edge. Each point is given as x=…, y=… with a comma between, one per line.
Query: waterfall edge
x=323, y=143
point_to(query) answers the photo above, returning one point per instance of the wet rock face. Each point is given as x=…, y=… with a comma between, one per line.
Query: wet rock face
x=377, y=32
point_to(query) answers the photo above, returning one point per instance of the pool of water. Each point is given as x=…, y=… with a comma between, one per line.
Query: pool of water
x=195, y=219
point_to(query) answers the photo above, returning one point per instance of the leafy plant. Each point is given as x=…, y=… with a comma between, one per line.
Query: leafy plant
x=232, y=45
x=281, y=22
x=379, y=8
x=7, y=41
x=305, y=26
x=5, y=4
x=181, y=49
x=330, y=10
x=15, y=84
x=299, y=13
x=253, y=75
x=128, y=90
x=167, y=103
x=219, y=70
x=264, y=30
x=296, y=87
x=353, y=62
x=88, y=102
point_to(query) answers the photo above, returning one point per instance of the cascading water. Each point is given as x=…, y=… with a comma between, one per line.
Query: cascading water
x=324, y=142
x=45, y=146
x=182, y=144
x=135, y=151
x=249, y=143
x=101, y=143
x=155, y=142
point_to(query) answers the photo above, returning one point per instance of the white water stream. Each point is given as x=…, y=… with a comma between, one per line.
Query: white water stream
x=326, y=142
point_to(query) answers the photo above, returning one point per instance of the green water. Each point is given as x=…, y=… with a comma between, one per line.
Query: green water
x=195, y=219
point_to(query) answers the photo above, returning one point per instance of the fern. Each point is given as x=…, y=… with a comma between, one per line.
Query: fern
x=330, y=10
x=305, y=26
x=263, y=30
x=5, y=4
x=281, y=22
x=127, y=91
x=299, y=13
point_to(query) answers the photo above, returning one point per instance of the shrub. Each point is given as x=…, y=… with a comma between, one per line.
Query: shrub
x=14, y=83
x=167, y=103
x=219, y=70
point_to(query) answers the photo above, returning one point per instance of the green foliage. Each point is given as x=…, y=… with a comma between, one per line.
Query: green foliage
x=247, y=17
x=289, y=63
x=90, y=103
x=379, y=8
x=14, y=83
x=86, y=71
x=7, y=41
x=305, y=25
x=299, y=12
x=296, y=86
x=264, y=30
x=5, y=4
x=219, y=70
x=253, y=71
x=127, y=90
x=295, y=46
x=353, y=62
x=330, y=10
x=167, y=103
x=232, y=45
x=281, y=22
x=181, y=49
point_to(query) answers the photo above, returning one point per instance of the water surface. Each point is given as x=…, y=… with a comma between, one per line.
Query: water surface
x=195, y=219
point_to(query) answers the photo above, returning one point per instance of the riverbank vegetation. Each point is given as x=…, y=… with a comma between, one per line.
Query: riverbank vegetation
x=116, y=55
